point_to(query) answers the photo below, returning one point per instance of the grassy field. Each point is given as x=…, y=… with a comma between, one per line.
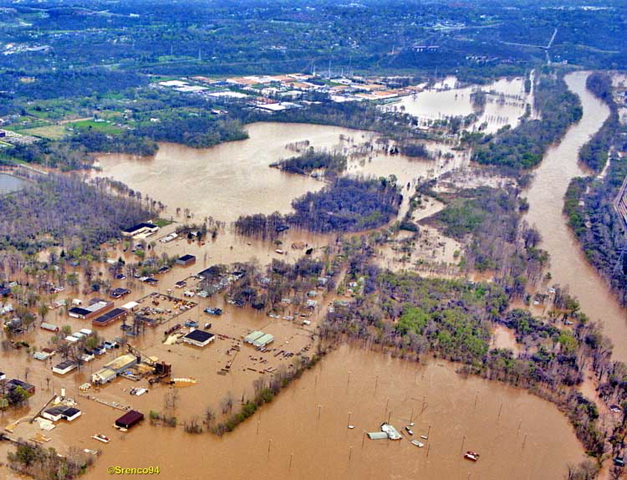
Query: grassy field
x=52, y=132
x=103, y=127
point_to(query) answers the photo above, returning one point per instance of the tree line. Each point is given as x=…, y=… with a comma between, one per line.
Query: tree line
x=346, y=205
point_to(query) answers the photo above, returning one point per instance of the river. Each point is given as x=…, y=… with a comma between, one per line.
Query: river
x=546, y=200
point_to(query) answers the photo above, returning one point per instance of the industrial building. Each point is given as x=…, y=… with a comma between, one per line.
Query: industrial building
x=110, y=317
x=113, y=369
x=199, y=338
x=97, y=307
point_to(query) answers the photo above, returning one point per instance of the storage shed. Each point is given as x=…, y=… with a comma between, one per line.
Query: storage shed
x=129, y=419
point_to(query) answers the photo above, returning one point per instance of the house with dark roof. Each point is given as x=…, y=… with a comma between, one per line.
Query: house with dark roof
x=64, y=367
x=119, y=292
x=14, y=383
x=55, y=414
x=186, y=260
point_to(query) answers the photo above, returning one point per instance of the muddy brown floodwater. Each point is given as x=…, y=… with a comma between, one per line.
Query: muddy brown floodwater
x=294, y=438
x=234, y=178
x=303, y=433
x=546, y=200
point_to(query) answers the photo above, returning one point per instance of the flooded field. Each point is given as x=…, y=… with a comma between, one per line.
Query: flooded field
x=518, y=435
x=546, y=198
x=308, y=422
x=232, y=179
x=506, y=101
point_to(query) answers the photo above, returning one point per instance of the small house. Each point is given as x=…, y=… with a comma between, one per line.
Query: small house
x=186, y=260
x=199, y=338
x=64, y=367
x=117, y=293
x=55, y=414
x=14, y=383
x=129, y=419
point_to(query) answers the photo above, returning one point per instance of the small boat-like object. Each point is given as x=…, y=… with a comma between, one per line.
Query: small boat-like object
x=101, y=438
x=409, y=430
x=417, y=443
x=472, y=456
x=424, y=437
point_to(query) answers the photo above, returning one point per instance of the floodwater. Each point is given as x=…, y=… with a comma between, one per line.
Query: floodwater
x=505, y=103
x=9, y=183
x=234, y=178
x=303, y=434
x=546, y=199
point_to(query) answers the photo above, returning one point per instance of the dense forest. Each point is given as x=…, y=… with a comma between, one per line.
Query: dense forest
x=194, y=131
x=594, y=154
x=591, y=215
x=488, y=221
x=589, y=201
x=65, y=210
x=331, y=164
x=346, y=205
x=524, y=146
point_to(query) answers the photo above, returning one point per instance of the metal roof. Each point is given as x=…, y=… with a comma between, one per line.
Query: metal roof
x=263, y=340
x=251, y=337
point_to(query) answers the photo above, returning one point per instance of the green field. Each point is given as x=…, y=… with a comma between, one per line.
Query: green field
x=52, y=132
x=104, y=127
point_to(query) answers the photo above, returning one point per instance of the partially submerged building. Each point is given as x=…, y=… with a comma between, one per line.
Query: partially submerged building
x=96, y=308
x=64, y=412
x=14, y=383
x=64, y=367
x=199, y=338
x=119, y=292
x=110, y=317
x=259, y=339
x=129, y=419
x=186, y=260
x=141, y=230
x=112, y=369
